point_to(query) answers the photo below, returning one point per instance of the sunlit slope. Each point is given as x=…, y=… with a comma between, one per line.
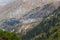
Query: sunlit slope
x=9, y=8
x=22, y=7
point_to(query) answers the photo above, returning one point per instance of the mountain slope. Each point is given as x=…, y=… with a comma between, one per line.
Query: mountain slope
x=48, y=29
x=39, y=12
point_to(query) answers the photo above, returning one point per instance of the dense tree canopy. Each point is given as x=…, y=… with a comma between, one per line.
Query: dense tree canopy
x=8, y=36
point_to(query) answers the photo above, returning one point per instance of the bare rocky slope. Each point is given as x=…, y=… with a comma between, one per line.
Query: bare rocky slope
x=22, y=7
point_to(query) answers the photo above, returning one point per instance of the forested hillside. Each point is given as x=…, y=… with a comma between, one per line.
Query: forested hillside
x=48, y=29
x=8, y=36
